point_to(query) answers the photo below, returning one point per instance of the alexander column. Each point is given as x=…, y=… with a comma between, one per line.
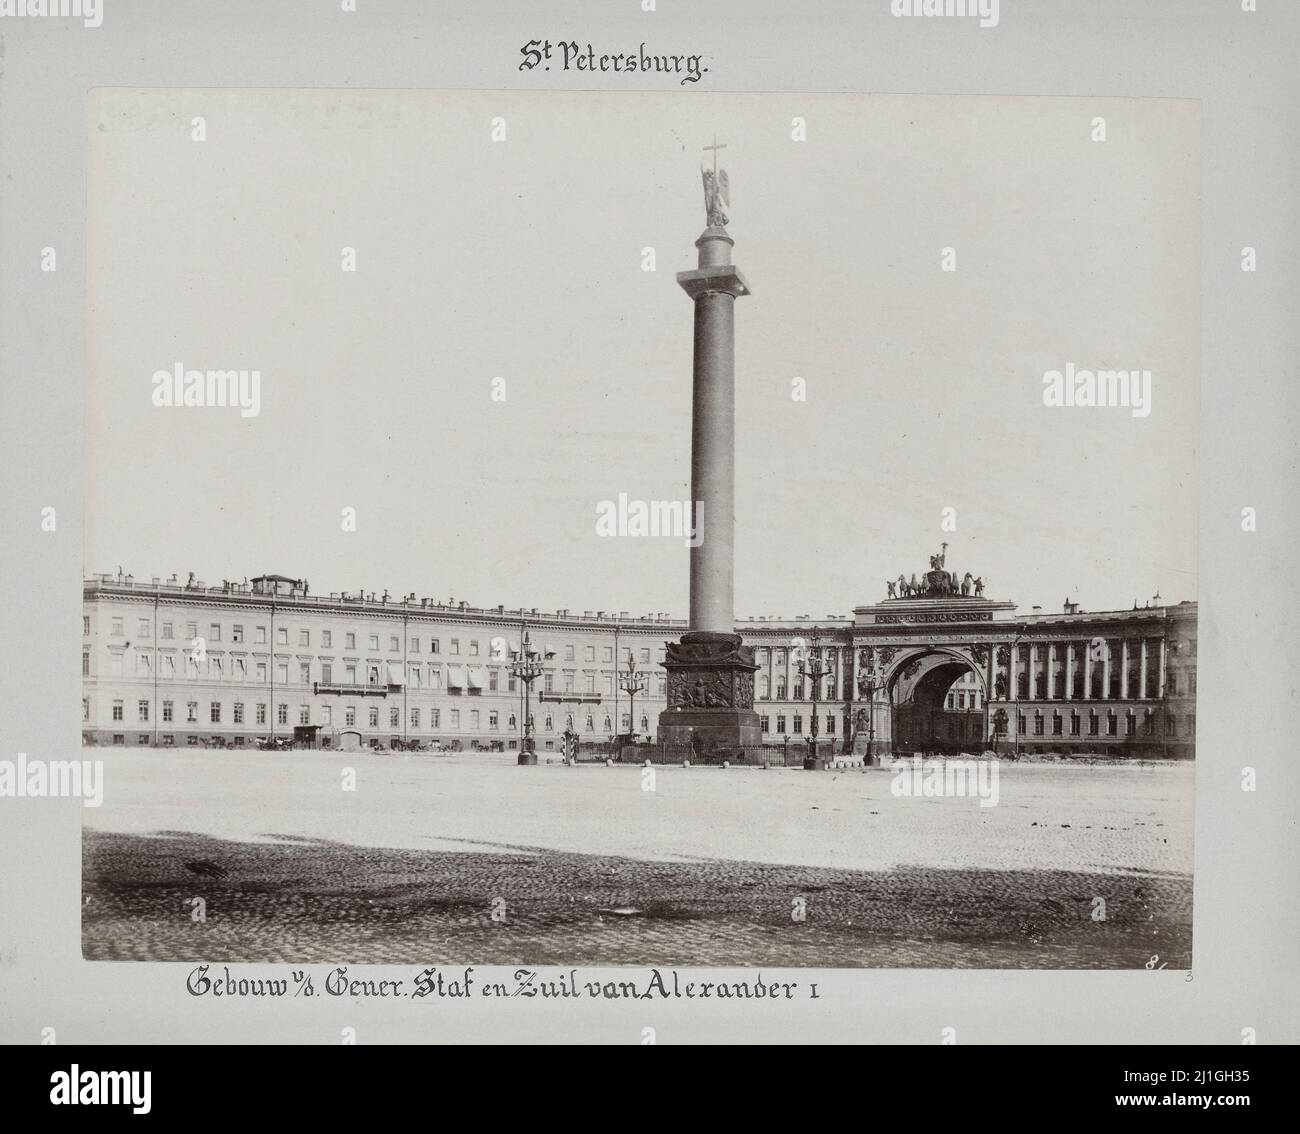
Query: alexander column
x=710, y=709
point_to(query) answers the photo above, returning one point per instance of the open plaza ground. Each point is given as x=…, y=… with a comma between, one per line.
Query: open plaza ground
x=471, y=859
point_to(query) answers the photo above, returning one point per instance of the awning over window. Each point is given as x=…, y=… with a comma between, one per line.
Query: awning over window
x=455, y=677
x=475, y=677
x=395, y=675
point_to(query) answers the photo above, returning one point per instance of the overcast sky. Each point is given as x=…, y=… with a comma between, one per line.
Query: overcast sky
x=523, y=259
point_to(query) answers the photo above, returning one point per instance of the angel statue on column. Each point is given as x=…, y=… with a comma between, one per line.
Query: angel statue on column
x=717, y=193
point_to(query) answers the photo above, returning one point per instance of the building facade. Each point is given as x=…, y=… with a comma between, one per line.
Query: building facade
x=182, y=664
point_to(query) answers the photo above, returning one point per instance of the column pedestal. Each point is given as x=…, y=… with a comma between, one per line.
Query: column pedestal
x=710, y=715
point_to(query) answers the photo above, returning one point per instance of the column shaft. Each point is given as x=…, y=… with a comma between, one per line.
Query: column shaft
x=713, y=456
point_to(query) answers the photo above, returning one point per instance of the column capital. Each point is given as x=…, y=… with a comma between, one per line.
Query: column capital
x=724, y=278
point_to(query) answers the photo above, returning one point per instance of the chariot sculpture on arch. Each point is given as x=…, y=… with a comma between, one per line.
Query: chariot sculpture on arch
x=937, y=582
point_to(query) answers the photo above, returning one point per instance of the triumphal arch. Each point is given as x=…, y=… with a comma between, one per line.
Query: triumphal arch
x=938, y=665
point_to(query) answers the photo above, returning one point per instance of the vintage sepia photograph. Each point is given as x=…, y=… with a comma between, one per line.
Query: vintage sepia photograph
x=616, y=528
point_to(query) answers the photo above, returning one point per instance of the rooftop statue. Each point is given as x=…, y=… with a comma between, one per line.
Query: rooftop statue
x=938, y=582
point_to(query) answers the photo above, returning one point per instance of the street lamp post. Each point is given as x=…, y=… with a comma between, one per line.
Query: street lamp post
x=632, y=682
x=868, y=684
x=812, y=669
x=526, y=664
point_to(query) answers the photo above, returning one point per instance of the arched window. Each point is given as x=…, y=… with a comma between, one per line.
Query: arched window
x=645, y=724
x=765, y=687
x=1022, y=684
x=514, y=721
x=550, y=724
x=609, y=725
x=591, y=725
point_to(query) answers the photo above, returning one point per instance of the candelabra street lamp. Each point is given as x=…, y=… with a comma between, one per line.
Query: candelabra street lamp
x=526, y=664
x=868, y=683
x=812, y=669
x=632, y=682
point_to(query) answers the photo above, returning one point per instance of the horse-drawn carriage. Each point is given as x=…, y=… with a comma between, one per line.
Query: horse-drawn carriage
x=274, y=743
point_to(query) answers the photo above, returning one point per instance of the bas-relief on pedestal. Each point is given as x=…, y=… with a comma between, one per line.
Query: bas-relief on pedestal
x=710, y=695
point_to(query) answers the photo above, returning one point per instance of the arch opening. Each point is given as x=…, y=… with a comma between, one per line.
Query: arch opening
x=938, y=705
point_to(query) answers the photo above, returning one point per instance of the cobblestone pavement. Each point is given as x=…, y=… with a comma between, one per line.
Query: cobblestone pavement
x=881, y=881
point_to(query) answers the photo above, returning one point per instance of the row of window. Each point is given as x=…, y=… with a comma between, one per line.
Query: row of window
x=797, y=723
x=1180, y=682
x=214, y=667
x=826, y=693
x=498, y=647
x=373, y=714
x=1149, y=724
x=213, y=633
x=193, y=740
x=763, y=655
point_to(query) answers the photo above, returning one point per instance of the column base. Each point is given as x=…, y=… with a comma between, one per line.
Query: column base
x=711, y=736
